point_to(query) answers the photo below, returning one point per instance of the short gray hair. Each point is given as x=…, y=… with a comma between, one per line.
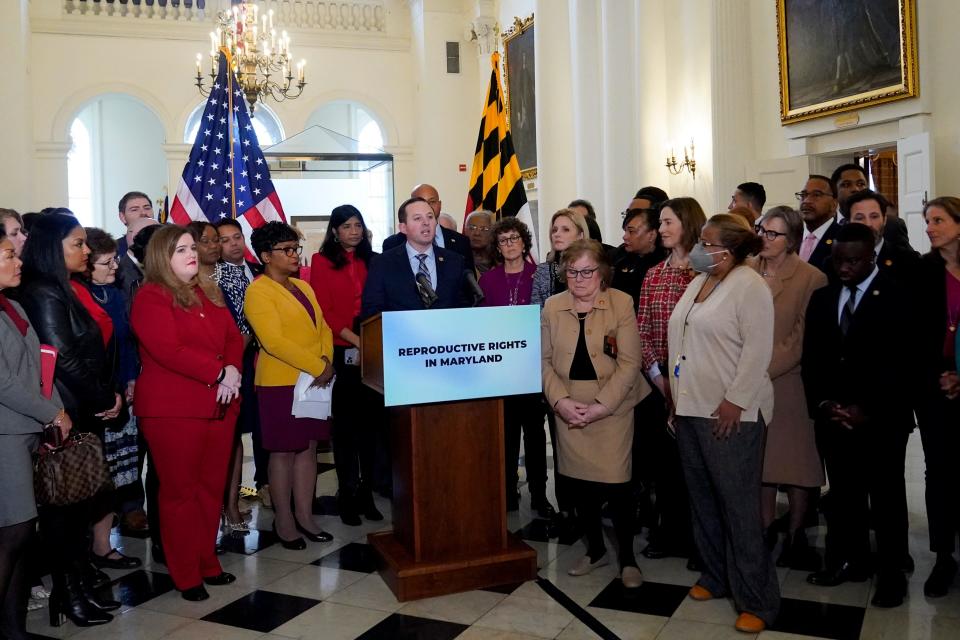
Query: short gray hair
x=490, y=214
x=791, y=220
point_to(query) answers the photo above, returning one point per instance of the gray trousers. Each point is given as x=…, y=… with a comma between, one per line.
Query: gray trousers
x=723, y=480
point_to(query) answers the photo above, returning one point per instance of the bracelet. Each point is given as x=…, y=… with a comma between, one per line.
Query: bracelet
x=223, y=374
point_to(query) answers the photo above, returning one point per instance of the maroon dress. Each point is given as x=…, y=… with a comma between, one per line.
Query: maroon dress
x=280, y=431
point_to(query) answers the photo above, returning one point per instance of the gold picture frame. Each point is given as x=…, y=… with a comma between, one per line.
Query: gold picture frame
x=518, y=54
x=856, y=42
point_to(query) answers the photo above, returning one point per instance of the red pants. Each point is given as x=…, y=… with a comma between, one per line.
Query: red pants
x=191, y=456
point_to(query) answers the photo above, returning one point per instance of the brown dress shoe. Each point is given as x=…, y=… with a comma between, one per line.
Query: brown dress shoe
x=749, y=623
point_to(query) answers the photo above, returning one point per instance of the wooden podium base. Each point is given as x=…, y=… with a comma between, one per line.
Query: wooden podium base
x=411, y=580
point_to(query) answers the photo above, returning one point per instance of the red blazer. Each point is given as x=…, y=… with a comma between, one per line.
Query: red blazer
x=182, y=351
x=338, y=292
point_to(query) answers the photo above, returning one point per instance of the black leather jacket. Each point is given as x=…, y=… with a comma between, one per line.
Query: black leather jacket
x=84, y=373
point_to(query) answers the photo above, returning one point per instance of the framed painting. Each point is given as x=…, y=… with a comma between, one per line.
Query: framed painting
x=520, y=96
x=840, y=55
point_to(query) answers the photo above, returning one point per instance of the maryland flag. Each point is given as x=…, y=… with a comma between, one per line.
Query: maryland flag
x=495, y=181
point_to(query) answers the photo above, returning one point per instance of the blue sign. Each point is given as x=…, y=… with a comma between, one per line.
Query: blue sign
x=458, y=354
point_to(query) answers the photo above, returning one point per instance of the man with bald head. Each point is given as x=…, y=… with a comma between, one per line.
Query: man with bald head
x=446, y=238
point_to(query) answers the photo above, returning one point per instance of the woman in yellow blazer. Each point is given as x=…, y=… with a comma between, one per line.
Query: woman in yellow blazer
x=591, y=378
x=284, y=314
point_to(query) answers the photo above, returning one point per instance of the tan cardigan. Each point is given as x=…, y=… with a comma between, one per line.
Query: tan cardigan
x=621, y=385
x=724, y=346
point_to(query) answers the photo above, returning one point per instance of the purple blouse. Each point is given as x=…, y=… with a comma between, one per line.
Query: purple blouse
x=502, y=289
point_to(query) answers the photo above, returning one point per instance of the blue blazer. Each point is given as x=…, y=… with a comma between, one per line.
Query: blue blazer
x=391, y=285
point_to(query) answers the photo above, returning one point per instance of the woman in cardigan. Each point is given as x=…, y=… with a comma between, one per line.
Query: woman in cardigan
x=938, y=400
x=186, y=404
x=23, y=412
x=53, y=259
x=507, y=284
x=294, y=339
x=720, y=344
x=337, y=274
x=566, y=227
x=591, y=378
x=664, y=283
x=790, y=453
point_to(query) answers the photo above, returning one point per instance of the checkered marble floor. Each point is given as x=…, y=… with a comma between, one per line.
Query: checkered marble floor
x=332, y=591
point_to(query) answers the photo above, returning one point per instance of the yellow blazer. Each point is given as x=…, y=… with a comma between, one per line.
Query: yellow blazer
x=289, y=341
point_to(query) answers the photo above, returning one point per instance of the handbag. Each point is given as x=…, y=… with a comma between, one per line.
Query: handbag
x=69, y=471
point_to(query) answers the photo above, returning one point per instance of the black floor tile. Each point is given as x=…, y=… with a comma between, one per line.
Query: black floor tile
x=652, y=598
x=505, y=589
x=804, y=617
x=137, y=587
x=402, y=627
x=245, y=543
x=261, y=611
x=323, y=467
x=545, y=531
x=352, y=557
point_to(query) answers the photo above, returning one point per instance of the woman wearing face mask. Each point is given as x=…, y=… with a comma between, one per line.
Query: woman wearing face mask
x=337, y=274
x=664, y=283
x=720, y=345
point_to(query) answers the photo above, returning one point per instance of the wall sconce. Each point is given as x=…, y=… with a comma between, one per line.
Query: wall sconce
x=689, y=161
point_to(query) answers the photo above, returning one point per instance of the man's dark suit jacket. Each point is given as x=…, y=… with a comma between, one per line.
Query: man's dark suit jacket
x=391, y=285
x=898, y=261
x=452, y=241
x=865, y=367
x=820, y=258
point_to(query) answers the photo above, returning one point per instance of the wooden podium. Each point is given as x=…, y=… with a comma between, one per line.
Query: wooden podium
x=449, y=512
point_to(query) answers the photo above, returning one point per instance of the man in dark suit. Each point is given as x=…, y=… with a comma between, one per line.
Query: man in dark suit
x=849, y=179
x=445, y=239
x=233, y=248
x=857, y=385
x=417, y=274
x=870, y=208
x=133, y=206
x=818, y=206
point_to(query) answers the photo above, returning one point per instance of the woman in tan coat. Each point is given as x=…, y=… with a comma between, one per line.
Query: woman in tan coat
x=790, y=454
x=591, y=378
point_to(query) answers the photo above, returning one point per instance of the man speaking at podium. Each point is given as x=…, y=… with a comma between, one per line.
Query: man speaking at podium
x=417, y=274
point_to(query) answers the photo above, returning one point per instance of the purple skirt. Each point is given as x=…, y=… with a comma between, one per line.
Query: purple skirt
x=279, y=430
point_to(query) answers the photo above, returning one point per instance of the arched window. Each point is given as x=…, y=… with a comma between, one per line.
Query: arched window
x=266, y=124
x=350, y=119
x=80, y=173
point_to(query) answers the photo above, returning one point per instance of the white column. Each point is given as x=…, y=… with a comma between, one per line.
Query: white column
x=586, y=61
x=731, y=99
x=16, y=161
x=556, y=161
x=49, y=175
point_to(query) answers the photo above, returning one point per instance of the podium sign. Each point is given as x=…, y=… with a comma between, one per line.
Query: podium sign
x=456, y=354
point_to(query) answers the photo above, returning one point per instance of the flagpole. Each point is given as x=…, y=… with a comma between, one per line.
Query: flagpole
x=233, y=189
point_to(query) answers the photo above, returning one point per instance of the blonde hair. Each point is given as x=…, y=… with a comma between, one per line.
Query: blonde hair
x=578, y=220
x=157, y=267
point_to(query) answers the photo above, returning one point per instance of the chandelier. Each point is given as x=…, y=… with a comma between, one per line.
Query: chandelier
x=256, y=54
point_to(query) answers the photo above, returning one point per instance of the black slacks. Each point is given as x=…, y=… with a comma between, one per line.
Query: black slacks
x=589, y=498
x=355, y=433
x=525, y=412
x=865, y=466
x=940, y=432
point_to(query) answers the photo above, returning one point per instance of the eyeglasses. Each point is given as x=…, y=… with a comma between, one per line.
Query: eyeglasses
x=290, y=251
x=769, y=234
x=505, y=240
x=474, y=227
x=816, y=195
x=112, y=262
x=574, y=274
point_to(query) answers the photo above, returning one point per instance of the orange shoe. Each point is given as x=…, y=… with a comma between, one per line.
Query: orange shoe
x=700, y=593
x=749, y=623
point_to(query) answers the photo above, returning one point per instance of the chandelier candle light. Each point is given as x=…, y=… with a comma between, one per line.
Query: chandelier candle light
x=689, y=162
x=256, y=53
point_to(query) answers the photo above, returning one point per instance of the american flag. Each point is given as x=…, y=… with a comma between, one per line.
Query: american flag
x=220, y=181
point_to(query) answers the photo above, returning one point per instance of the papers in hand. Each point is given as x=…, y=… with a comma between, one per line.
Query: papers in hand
x=311, y=402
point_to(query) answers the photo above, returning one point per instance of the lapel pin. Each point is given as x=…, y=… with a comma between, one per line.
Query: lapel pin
x=829, y=241
x=440, y=258
x=876, y=292
x=888, y=262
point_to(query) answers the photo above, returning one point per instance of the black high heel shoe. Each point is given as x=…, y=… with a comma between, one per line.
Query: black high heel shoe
x=323, y=536
x=220, y=580
x=68, y=602
x=195, y=594
x=297, y=544
x=101, y=604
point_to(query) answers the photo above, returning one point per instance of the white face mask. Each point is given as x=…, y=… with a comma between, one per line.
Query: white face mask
x=702, y=260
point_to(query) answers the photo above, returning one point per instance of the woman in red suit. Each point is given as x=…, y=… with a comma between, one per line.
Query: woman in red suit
x=187, y=403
